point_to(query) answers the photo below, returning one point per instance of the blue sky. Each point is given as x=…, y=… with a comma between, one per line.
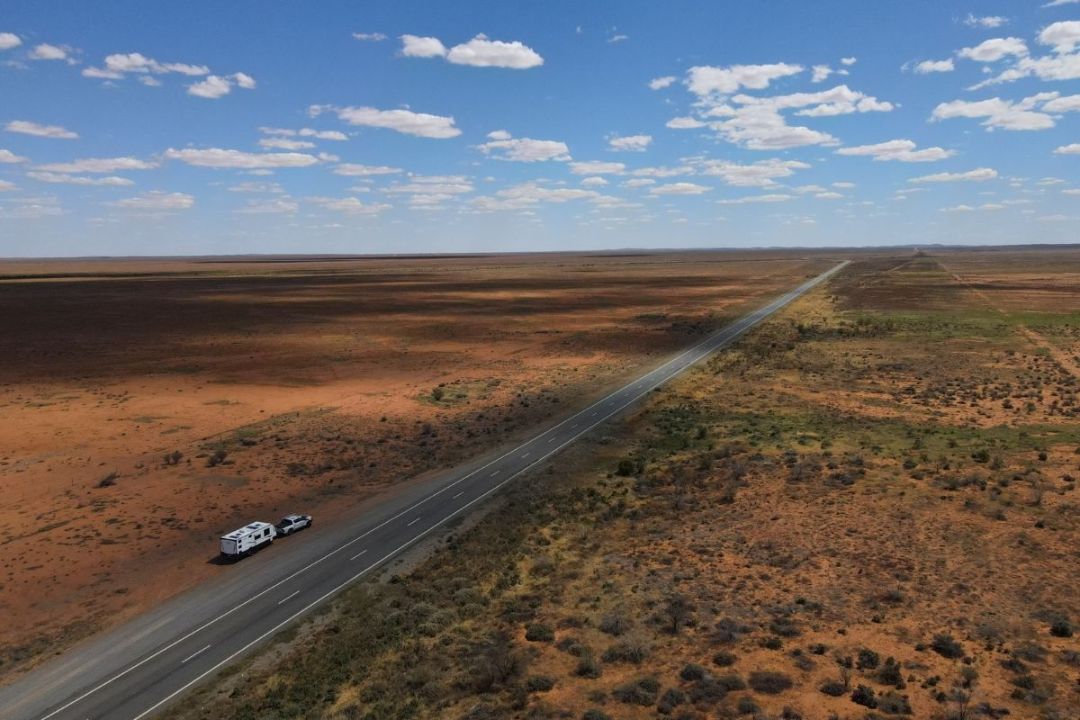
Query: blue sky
x=133, y=128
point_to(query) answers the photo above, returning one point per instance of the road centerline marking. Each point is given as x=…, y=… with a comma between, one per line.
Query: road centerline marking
x=194, y=654
x=288, y=597
x=358, y=554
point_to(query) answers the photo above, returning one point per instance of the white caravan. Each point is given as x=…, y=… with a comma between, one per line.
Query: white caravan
x=247, y=539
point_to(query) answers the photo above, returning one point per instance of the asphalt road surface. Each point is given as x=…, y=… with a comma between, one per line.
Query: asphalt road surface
x=133, y=671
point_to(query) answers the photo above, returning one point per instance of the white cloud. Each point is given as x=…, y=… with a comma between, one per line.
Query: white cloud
x=821, y=73
x=447, y=185
x=67, y=179
x=99, y=165
x=8, y=157
x=9, y=41
x=759, y=174
x=679, y=188
x=481, y=52
x=934, y=66
x=45, y=51
x=402, y=121
x=618, y=38
x=899, y=150
x=828, y=195
x=220, y=158
x=530, y=194
x=215, y=86
x=977, y=175
x=369, y=37
x=989, y=21
x=684, y=123
x=704, y=80
x=661, y=82
x=158, y=200
x=305, y=132
x=355, y=170
x=639, y=182
x=995, y=49
x=282, y=143
x=1068, y=103
x=1003, y=114
x=26, y=127
x=118, y=64
x=844, y=185
x=757, y=123
x=6, y=186
x=478, y=52
x=767, y=198
x=597, y=167
x=1057, y=3
x=848, y=61
x=422, y=47
x=273, y=206
x=1073, y=149
x=594, y=181
x=524, y=149
x=257, y=187
x=969, y=208
x=1063, y=36
x=632, y=143
x=350, y=205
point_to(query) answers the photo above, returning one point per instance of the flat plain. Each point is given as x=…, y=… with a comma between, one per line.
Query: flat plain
x=866, y=509
x=148, y=406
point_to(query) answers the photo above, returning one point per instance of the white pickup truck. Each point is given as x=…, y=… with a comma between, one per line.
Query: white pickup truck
x=247, y=539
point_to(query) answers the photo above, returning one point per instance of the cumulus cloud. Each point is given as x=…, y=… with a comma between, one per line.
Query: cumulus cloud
x=751, y=199
x=273, y=206
x=995, y=49
x=969, y=208
x=899, y=150
x=934, y=66
x=68, y=179
x=597, y=167
x=529, y=194
x=238, y=159
x=45, y=51
x=1062, y=64
x=6, y=186
x=369, y=37
x=976, y=175
x=9, y=41
x=216, y=86
x=759, y=174
x=632, y=143
x=305, y=132
x=158, y=201
x=444, y=186
x=478, y=52
x=99, y=165
x=356, y=170
x=703, y=80
x=350, y=205
x=988, y=21
x=402, y=121
x=684, y=123
x=283, y=143
x=1071, y=149
x=119, y=64
x=661, y=82
x=594, y=181
x=8, y=157
x=1062, y=36
x=25, y=127
x=757, y=123
x=503, y=146
x=679, y=188
x=1026, y=114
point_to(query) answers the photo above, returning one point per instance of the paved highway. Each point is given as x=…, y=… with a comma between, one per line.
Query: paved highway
x=133, y=671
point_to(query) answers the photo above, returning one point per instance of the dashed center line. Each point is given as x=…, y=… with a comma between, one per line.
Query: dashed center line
x=495, y=473
x=458, y=495
x=288, y=597
x=413, y=522
x=525, y=455
x=358, y=554
x=194, y=654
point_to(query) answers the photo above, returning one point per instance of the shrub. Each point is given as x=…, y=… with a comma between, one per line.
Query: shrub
x=638, y=692
x=677, y=612
x=437, y=394
x=1061, y=629
x=587, y=666
x=768, y=682
x=893, y=704
x=671, y=699
x=730, y=682
x=536, y=632
x=835, y=688
x=594, y=714
x=746, y=706
x=626, y=468
x=864, y=696
x=626, y=651
x=723, y=659
x=615, y=623
x=109, y=480
x=868, y=659
x=217, y=458
x=539, y=683
x=945, y=646
x=692, y=671
x=890, y=674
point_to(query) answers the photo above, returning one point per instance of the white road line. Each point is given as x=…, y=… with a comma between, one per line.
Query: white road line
x=495, y=473
x=413, y=522
x=358, y=554
x=726, y=334
x=458, y=495
x=553, y=439
x=194, y=654
x=288, y=597
x=525, y=455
